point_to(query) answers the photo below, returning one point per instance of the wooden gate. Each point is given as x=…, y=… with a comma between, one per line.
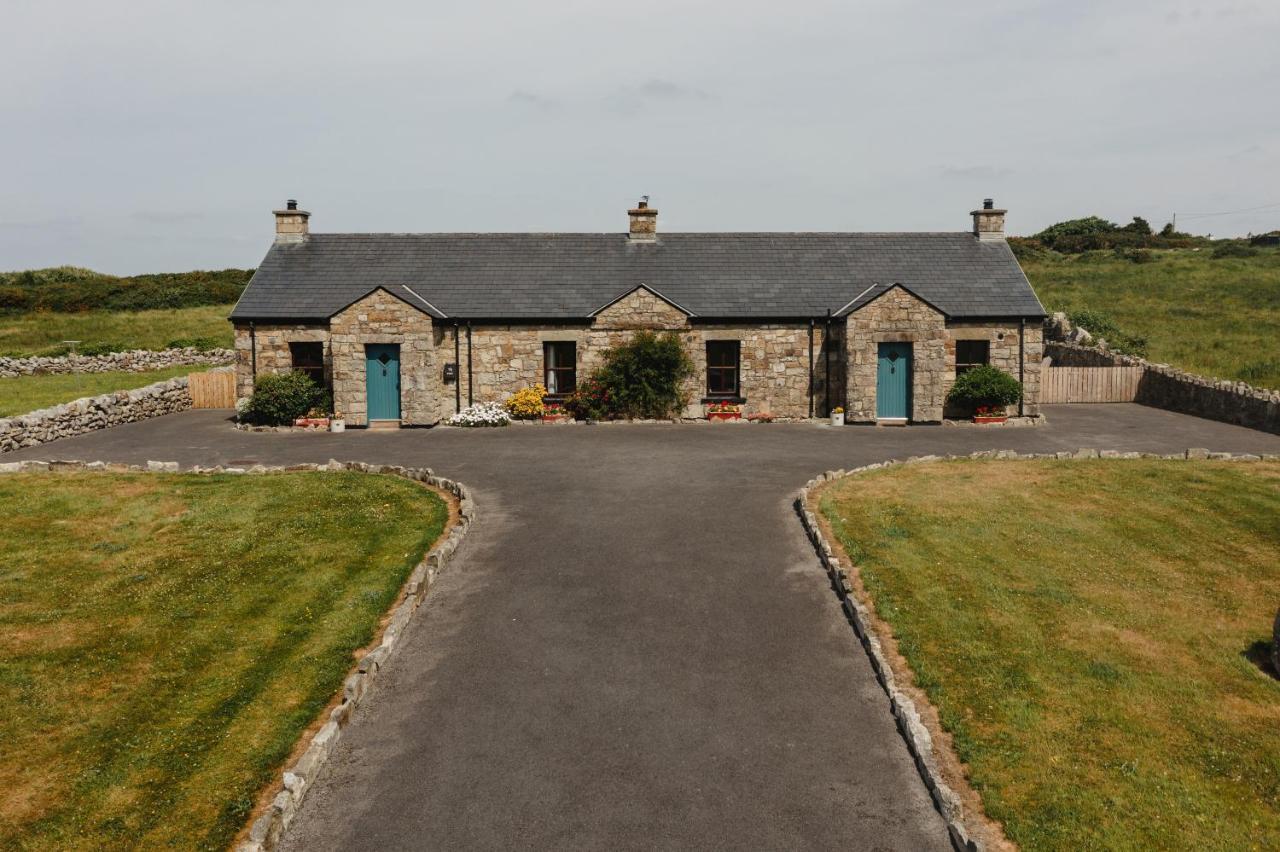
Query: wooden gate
x=1089, y=384
x=212, y=390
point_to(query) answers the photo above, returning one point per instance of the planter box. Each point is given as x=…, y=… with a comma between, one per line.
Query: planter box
x=312, y=422
x=557, y=417
x=724, y=415
x=998, y=419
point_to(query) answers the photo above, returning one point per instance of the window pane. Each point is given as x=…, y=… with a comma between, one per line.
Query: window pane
x=722, y=367
x=308, y=358
x=560, y=358
x=971, y=353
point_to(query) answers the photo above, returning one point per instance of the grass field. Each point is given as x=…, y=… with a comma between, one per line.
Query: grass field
x=167, y=638
x=1216, y=317
x=1090, y=633
x=42, y=332
x=28, y=393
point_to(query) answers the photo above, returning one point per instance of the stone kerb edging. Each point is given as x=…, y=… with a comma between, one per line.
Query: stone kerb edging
x=132, y=361
x=94, y=412
x=268, y=828
x=914, y=731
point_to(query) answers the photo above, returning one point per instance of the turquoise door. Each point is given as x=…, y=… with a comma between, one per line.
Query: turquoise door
x=382, y=380
x=893, y=381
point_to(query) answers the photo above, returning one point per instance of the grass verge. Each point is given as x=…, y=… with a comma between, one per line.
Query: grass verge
x=167, y=638
x=28, y=393
x=1216, y=317
x=42, y=332
x=1089, y=635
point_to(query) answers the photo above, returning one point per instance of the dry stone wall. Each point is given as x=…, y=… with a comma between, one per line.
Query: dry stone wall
x=92, y=413
x=1162, y=386
x=133, y=361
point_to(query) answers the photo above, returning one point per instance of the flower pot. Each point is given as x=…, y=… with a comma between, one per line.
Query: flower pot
x=724, y=415
x=837, y=418
x=986, y=418
x=312, y=422
x=337, y=425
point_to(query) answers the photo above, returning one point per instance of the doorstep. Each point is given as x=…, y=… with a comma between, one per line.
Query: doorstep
x=383, y=424
x=891, y=421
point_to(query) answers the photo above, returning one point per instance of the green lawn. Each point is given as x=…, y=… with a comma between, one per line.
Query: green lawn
x=28, y=393
x=1214, y=317
x=1089, y=633
x=167, y=638
x=42, y=332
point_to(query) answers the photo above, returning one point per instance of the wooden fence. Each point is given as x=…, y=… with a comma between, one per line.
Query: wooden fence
x=212, y=390
x=1089, y=384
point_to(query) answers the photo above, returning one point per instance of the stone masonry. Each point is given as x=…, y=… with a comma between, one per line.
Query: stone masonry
x=382, y=318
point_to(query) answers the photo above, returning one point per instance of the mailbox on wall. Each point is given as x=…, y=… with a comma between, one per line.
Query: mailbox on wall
x=450, y=373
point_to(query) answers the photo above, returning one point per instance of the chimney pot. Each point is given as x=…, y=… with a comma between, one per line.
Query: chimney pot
x=988, y=223
x=292, y=224
x=644, y=222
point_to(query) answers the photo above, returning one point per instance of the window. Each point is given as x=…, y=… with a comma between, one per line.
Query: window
x=971, y=353
x=722, y=368
x=309, y=358
x=561, y=360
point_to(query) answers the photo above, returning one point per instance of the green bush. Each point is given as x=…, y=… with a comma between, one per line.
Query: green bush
x=985, y=385
x=639, y=379
x=1135, y=255
x=280, y=398
x=68, y=289
x=204, y=344
x=1231, y=248
x=101, y=347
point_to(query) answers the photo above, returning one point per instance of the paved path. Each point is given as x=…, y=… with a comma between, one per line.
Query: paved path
x=635, y=648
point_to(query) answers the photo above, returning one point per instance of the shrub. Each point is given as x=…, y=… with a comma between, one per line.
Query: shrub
x=100, y=348
x=526, y=403
x=71, y=289
x=204, y=344
x=590, y=401
x=1135, y=255
x=1271, y=238
x=1233, y=249
x=279, y=399
x=985, y=386
x=643, y=378
x=1101, y=325
x=481, y=414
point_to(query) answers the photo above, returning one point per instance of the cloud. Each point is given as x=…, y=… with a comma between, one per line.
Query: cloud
x=524, y=98
x=167, y=217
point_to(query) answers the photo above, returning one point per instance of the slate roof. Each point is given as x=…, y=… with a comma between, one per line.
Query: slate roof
x=567, y=276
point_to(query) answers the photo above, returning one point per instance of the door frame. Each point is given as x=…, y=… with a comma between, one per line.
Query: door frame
x=910, y=381
x=368, y=357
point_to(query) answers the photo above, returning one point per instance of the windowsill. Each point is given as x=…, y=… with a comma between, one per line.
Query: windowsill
x=731, y=398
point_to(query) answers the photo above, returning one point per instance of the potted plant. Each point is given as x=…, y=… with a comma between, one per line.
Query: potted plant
x=837, y=416
x=336, y=423
x=987, y=391
x=553, y=411
x=723, y=411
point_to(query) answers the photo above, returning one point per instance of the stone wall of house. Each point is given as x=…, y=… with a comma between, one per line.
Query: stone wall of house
x=382, y=318
x=273, y=351
x=774, y=360
x=898, y=317
x=1002, y=338
x=92, y=413
x=642, y=309
x=132, y=361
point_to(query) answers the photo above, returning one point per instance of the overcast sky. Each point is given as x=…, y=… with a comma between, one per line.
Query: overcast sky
x=154, y=136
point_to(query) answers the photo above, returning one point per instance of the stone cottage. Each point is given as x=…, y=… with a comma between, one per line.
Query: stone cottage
x=409, y=328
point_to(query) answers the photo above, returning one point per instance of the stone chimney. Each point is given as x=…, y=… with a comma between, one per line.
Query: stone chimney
x=644, y=222
x=291, y=223
x=988, y=223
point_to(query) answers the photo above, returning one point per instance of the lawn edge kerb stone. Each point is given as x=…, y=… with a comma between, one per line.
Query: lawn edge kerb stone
x=266, y=831
x=910, y=724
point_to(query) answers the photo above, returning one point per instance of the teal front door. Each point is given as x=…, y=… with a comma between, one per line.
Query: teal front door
x=893, y=381
x=382, y=380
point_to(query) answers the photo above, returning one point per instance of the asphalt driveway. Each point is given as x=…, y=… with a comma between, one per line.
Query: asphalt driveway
x=635, y=647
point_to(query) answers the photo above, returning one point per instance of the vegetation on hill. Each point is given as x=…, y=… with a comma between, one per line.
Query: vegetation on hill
x=1098, y=654
x=28, y=393
x=44, y=333
x=71, y=289
x=167, y=639
x=1208, y=306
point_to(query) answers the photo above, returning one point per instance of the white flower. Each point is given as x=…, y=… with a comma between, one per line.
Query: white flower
x=481, y=414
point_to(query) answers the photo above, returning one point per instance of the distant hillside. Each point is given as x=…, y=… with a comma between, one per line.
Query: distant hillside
x=69, y=289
